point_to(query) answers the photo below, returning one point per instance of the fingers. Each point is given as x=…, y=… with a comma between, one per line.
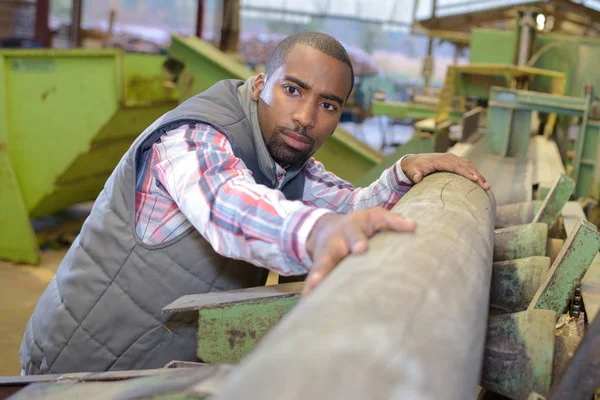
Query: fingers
x=326, y=259
x=315, y=277
x=356, y=239
x=394, y=222
x=352, y=237
x=417, y=177
x=463, y=167
x=476, y=176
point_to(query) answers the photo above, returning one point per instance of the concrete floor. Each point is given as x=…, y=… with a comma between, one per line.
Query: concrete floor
x=20, y=288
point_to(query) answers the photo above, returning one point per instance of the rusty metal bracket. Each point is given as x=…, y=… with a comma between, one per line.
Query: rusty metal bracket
x=520, y=242
x=515, y=282
x=519, y=352
x=231, y=323
x=570, y=266
x=546, y=211
x=555, y=201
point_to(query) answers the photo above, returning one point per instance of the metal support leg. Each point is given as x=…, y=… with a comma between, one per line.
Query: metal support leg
x=578, y=252
x=519, y=351
x=515, y=283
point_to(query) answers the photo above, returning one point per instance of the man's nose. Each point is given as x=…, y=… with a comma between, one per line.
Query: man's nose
x=305, y=114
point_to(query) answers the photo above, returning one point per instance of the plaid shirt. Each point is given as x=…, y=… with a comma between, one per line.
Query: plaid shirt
x=191, y=177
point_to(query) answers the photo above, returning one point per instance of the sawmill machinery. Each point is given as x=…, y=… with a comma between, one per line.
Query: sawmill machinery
x=496, y=294
x=522, y=59
x=478, y=303
x=41, y=115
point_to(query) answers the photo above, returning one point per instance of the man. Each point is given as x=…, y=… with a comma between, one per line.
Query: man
x=224, y=181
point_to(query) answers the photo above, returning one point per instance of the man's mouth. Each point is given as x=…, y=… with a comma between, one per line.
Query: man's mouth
x=295, y=140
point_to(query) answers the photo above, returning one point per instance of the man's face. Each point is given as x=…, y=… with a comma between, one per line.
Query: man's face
x=300, y=104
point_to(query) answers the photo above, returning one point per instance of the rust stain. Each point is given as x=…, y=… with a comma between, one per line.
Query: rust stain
x=47, y=93
x=235, y=336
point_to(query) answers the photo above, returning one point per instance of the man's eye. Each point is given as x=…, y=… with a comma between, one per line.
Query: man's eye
x=329, y=106
x=291, y=90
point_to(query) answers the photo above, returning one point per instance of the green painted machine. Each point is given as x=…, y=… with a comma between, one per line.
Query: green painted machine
x=68, y=116
x=545, y=266
x=509, y=122
x=66, y=119
x=531, y=287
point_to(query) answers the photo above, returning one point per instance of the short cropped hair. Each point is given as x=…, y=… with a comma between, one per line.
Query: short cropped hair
x=318, y=41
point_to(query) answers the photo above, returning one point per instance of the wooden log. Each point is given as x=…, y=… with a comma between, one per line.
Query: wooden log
x=405, y=320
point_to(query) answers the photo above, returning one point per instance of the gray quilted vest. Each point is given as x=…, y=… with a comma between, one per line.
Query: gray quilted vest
x=102, y=310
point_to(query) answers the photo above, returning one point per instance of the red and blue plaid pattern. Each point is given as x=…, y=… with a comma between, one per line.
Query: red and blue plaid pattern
x=191, y=177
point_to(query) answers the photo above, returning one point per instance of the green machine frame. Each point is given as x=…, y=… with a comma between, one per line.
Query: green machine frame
x=509, y=122
x=66, y=119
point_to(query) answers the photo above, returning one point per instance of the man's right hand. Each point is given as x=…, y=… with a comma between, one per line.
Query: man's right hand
x=335, y=236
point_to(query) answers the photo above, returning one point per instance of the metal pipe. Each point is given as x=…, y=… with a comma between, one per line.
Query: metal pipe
x=527, y=27
x=406, y=320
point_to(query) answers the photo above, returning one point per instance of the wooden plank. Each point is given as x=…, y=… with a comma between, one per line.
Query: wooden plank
x=182, y=383
x=217, y=299
x=407, y=319
x=590, y=289
x=77, y=377
x=572, y=213
x=547, y=164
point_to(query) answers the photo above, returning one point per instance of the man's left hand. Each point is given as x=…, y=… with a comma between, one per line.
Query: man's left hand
x=418, y=166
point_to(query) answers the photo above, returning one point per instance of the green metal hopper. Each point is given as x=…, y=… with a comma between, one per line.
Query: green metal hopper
x=66, y=119
x=204, y=65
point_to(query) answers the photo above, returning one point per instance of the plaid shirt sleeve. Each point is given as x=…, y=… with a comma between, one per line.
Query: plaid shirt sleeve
x=324, y=189
x=194, y=178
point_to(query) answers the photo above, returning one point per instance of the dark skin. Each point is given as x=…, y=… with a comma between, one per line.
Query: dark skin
x=299, y=107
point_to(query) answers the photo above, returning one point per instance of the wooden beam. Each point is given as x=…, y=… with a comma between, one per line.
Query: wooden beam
x=42, y=30
x=469, y=19
x=75, y=34
x=230, y=30
x=407, y=319
x=200, y=18
x=570, y=6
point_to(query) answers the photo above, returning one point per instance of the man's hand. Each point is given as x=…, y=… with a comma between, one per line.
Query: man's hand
x=334, y=236
x=418, y=166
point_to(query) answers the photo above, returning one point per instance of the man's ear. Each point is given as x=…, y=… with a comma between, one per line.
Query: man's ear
x=257, y=86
